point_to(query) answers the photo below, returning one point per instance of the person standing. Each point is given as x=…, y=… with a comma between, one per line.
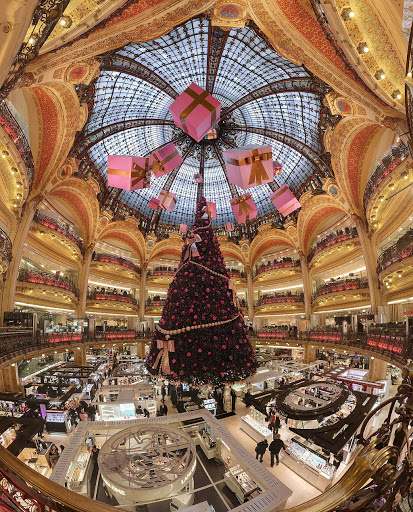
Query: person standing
x=275, y=447
x=233, y=398
x=163, y=392
x=276, y=426
x=163, y=410
x=260, y=449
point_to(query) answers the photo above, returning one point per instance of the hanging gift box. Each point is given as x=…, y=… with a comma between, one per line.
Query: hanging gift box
x=249, y=166
x=285, y=201
x=154, y=203
x=165, y=160
x=128, y=172
x=183, y=229
x=229, y=226
x=212, y=210
x=212, y=134
x=195, y=111
x=244, y=208
x=167, y=200
x=198, y=178
x=277, y=168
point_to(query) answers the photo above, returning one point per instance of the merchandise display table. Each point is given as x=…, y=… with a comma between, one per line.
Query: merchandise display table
x=240, y=484
x=255, y=430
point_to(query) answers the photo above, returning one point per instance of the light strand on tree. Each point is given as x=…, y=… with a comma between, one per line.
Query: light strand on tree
x=192, y=327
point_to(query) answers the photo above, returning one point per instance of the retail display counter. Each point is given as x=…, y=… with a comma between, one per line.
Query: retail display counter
x=241, y=484
x=310, y=464
x=58, y=421
x=207, y=441
x=254, y=425
x=80, y=470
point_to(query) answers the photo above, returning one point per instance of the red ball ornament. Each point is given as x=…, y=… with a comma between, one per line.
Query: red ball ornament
x=188, y=354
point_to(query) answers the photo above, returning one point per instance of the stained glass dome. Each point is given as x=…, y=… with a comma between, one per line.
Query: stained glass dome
x=265, y=100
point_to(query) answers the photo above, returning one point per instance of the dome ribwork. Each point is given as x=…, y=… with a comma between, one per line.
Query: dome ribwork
x=265, y=99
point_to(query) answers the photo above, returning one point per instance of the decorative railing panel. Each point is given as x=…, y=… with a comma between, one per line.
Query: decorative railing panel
x=59, y=227
x=37, y=277
x=402, y=249
x=5, y=245
x=278, y=298
x=276, y=264
x=117, y=260
x=341, y=286
x=113, y=297
x=332, y=239
x=169, y=271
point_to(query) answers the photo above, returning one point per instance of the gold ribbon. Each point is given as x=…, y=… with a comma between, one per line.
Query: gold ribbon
x=137, y=174
x=290, y=209
x=166, y=195
x=199, y=99
x=191, y=250
x=244, y=207
x=258, y=172
x=158, y=165
x=280, y=192
x=165, y=347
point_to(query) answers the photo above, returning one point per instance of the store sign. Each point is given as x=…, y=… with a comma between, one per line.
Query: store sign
x=22, y=499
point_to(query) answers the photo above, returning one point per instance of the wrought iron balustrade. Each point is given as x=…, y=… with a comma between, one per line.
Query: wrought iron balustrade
x=112, y=297
x=331, y=239
x=59, y=227
x=277, y=298
x=55, y=280
x=276, y=264
x=6, y=246
x=117, y=260
x=341, y=286
x=402, y=249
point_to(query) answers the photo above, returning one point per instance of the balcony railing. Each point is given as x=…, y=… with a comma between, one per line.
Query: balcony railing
x=117, y=260
x=5, y=245
x=273, y=333
x=59, y=227
x=333, y=238
x=390, y=160
x=279, y=297
x=402, y=249
x=341, y=286
x=162, y=271
x=234, y=272
x=156, y=301
x=114, y=297
x=276, y=264
x=37, y=277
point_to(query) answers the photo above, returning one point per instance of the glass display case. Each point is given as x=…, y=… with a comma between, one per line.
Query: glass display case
x=312, y=465
x=241, y=484
x=207, y=441
x=76, y=476
x=254, y=425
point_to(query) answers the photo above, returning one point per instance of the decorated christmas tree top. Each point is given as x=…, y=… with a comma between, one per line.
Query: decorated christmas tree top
x=201, y=337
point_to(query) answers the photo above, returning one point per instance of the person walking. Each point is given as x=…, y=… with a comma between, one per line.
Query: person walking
x=275, y=447
x=163, y=409
x=163, y=391
x=276, y=426
x=260, y=449
x=233, y=398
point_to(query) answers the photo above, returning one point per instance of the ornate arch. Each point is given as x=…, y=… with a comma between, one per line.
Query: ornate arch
x=266, y=239
x=127, y=233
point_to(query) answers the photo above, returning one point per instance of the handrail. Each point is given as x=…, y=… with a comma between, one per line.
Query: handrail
x=278, y=298
x=60, y=227
x=402, y=249
x=276, y=264
x=341, y=286
x=331, y=239
x=390, y=160
x=112, y=297
x=118, y=260
x=37, y=277
x=6, y=246
x=160, y=271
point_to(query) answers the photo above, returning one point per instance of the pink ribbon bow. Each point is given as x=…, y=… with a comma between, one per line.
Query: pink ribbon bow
x=165, y=347
x=191, y=249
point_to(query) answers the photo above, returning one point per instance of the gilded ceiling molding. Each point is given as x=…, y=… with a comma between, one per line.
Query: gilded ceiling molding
x=79, y=197
x=268, y=239
x=348, y=143
x=52, y=249
x=59, y=117
x=171, y=246
x=125, y=232
x=231, y=250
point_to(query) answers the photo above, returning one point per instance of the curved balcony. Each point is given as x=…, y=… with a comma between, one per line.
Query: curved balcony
x=402, y=249
x=277, y=298
x=43, y=278
x=60, y=227
x=117, y=260
x=389, y=161
x=237, y=274
x=112, y=297
x=277, y=264
x=5, y=246
x=162, y=271
x=273, y=333
x=333, y=238
x=341, y=286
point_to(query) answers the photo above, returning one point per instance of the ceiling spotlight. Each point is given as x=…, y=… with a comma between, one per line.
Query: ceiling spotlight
x=5, y=154
x=65, y=21
x=32, y=40
x=396, y=94
x=13, y=170
x=347, y=14
x=362, y=48
x=379, y=74
x=409, y=74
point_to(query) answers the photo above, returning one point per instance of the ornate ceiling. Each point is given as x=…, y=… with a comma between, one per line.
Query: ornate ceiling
x=265, y=100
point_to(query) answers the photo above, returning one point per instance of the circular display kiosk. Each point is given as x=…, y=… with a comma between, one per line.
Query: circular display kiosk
x=145, y=463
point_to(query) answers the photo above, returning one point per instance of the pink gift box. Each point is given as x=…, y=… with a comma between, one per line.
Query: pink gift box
x=244, y=208
x=249, y=166
x=167, y=200
x=154, y=203
x=285, y=201
x=198, y=178
x=183, y=229
x=195, y=111
x=277, y=167
x=212, y=210
x=229, y=226
x=128, y=172
x=165, y=160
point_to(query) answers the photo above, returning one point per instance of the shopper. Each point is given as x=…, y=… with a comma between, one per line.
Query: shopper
x=146, y=413
x=275, y=447
x=139, y=410
x=247, y=398
x=260, y=449
x=163, y=410
x=234, y=399
x=83, y=415
x=61, y=448
x=276, y=426
x=95, y=453
x=53, y=455
x=163, y=391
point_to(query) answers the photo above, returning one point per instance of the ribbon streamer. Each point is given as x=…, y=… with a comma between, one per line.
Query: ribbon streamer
x=165, y=347
x=191, y=250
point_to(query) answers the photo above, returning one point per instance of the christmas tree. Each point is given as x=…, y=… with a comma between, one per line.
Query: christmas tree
x=201, y=337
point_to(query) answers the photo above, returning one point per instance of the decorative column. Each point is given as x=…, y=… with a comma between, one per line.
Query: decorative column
x=80, y=356
x=306, y=285
x=377, y=369
x=310, y=354
x=142, y=292
x=10, y=379
x=7, y=304
x=140, y=349
x=370, y=259
x=250, y=293
x=83, y=281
